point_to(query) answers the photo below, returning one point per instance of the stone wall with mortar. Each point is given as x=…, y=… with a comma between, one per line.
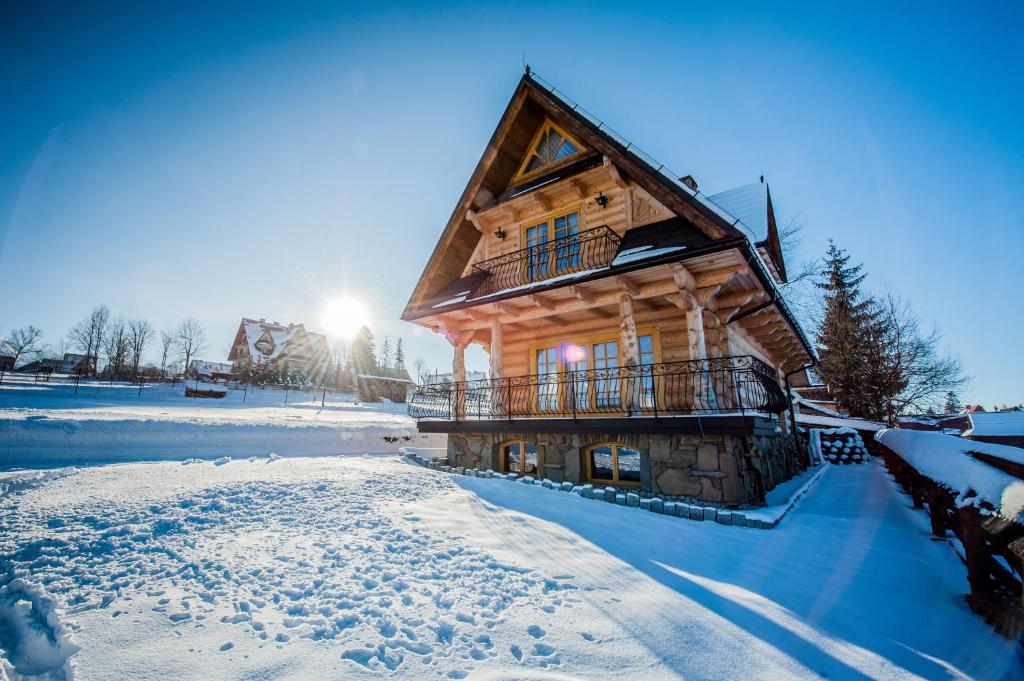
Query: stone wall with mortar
x=720, y=469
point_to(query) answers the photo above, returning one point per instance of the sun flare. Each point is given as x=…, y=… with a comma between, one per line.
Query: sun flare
x=343, y=317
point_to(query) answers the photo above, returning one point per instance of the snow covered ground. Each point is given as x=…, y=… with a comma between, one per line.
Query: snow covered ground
x=45, y=424
x=366, y=566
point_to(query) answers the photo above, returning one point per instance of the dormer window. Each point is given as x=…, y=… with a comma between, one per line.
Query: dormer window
x=551, y=146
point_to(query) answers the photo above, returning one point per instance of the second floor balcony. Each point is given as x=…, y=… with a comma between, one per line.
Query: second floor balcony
x=565, y=255
x=727, y=385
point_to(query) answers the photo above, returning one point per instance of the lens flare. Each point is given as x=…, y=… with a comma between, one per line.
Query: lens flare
x=343, y=317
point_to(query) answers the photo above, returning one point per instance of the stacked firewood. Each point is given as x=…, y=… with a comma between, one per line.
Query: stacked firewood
x=845, y=446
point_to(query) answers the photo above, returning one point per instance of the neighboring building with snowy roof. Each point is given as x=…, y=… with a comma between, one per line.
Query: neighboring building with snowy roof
x=201, y=368
x=437, y=377
x=289, y=347
x=6, y=356
x=997, y=427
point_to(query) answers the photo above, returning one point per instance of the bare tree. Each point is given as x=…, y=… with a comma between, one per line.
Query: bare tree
x=116, y=347
x=419, y=367
x=799, y=290
x=87, y=335
x=24, y=341
x=166, y=343
x=190, y=340
x=906, y=369
x=140, y=332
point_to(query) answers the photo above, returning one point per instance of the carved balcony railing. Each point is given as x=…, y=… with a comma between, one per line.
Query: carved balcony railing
x=713, y=386
x=588, y=250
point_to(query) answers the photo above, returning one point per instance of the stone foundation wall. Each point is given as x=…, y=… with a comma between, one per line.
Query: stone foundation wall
x=723, y=469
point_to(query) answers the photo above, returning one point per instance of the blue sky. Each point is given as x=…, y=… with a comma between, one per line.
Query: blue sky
x=254, y=160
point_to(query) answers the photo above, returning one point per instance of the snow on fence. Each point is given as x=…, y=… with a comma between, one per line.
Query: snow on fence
x=980, y=504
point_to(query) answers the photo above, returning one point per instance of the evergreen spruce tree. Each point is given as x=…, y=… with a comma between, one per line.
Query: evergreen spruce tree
x=385, y=354
x=952, y=405
x=364, y=362
x=847, y=338
x=399, y=356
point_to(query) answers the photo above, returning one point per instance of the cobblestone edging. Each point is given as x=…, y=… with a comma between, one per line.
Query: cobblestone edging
x=617, y=496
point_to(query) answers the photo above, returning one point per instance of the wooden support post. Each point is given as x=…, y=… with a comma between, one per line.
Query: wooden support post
x=629, y=354
x=497, y=385
x=459, y=342
x=629, y=346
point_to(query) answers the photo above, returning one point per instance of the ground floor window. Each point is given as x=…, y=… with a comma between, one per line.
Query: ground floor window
x=519, y=457
x=613, y=462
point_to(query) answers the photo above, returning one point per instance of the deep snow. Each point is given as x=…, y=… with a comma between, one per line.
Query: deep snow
x=46, y=424
x=358, y=567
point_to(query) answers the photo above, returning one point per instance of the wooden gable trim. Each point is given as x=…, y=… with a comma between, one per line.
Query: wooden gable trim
x=629, y=164
x=774, y=244
x=626, y=164
x=458, y=219
x=521, y=176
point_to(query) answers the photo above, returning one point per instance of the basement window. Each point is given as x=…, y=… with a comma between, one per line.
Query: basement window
x=520, y=457
x=613, y=462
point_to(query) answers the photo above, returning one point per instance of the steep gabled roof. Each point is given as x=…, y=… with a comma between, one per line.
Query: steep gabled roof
x=752, y=204
x=531, y=105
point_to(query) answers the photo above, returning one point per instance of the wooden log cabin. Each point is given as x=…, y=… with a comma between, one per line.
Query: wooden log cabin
x=635, y=330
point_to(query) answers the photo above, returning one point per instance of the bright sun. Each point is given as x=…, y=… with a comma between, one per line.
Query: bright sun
x=343, y=317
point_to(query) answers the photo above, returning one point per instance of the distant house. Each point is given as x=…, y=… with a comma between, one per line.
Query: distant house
x=998, y=427
x=74, y=363
x=393, y=384
x=447, y=378
x=214, y=371
x=71, y=363
x=812, y=395
x=290, y=347
x=46, y=365
x=6, y=356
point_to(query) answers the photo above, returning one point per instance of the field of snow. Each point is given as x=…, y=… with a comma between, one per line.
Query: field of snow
x=46, y=424
x=367, y=567
x=349, y=565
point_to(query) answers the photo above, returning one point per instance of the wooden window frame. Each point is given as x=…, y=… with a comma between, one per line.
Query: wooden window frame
x=549, y=219
x=548, y=124
x=615, y=464
x=587, y=342
x=503, y=460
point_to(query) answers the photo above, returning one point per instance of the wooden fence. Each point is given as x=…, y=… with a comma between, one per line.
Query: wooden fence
x=993, y=546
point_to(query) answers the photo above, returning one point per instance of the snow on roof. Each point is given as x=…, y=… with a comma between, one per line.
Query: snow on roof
x=989, y=423
x=816, y=405
x=749, y=203
x=857, y=424
x=393, y=379
x=203, y=367
x=643, y=253
x=280, y=335
x=946, y=460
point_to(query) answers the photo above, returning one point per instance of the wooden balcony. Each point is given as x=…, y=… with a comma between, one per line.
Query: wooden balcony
x=729, y=385
x=587, y=251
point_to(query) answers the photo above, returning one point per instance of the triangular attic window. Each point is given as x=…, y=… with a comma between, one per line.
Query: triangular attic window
x=551, y=146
